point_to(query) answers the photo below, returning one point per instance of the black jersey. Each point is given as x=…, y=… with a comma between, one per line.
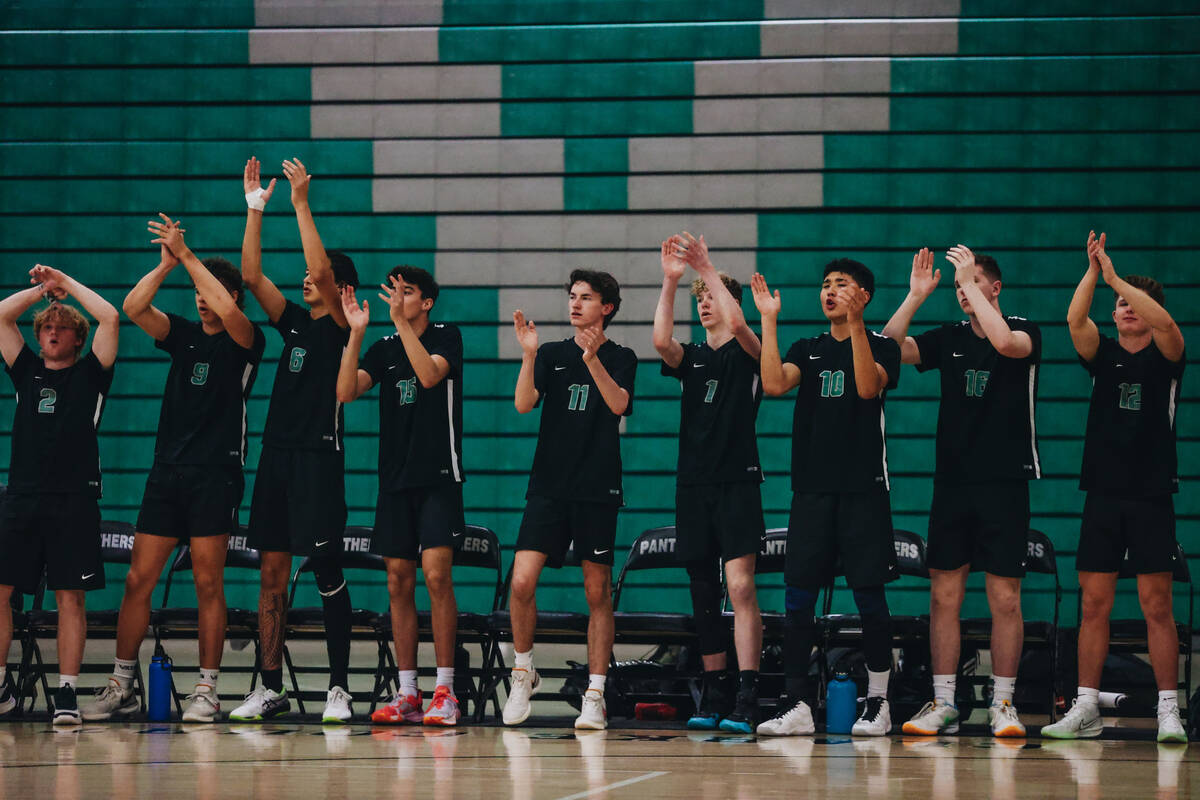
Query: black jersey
x=1130, y=443
x=578, y=454
x=54, y=448
x=721, y=395
x=304, y=411
x=985, y=428
x=203, y=417
x=420, y=430
x=838, y=439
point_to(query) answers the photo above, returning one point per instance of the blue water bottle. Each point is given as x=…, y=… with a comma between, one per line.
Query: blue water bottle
x=841, y=703
x=159, y=699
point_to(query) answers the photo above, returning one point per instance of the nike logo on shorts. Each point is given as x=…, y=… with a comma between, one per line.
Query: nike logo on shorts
x=599, y=552
x=321, y=544
x=85, y=577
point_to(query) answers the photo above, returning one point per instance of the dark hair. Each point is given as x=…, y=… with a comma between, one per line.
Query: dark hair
x=699, y=287
x=343, y=268
x=1147, y=285
x=229, y=276
x=856, y=270
x=417, y=277
x=988, y=266
x=603, y=283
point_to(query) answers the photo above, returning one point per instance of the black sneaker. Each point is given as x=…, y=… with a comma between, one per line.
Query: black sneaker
x=66, y=710
x=8, y=695
x=744, y=716
x=714, y=704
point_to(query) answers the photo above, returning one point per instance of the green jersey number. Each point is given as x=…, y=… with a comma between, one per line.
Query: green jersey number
x=712, y=390
x=977, y=382
x=579, y=397
x=833, y=383
x=49, y=397
x=1131, y=396
x=296, y=362
x=199, y=373
x=408, y=390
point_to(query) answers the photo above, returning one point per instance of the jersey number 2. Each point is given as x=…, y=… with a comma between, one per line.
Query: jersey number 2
x=49, y=397
x=579, y=393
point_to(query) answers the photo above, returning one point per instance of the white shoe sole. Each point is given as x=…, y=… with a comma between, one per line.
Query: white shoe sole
x=913, y=730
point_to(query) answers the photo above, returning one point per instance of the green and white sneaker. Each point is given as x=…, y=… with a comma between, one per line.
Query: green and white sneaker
x=1170, y=728
x=934, y=718
x=1081, y=722
x=262, y=704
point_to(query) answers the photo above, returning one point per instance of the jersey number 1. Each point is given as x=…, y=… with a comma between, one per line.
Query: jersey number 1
x=579, y=393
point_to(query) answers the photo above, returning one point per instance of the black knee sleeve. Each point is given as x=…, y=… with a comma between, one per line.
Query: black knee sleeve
x=877, y=627
x=327, y=572
x=705, y=583
x=335, y=601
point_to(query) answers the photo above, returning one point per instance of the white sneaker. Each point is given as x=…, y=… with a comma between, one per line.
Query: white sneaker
x=1170, y=728
x=1081, y=722
x=525, y=684
x=262, y=703
x=593, y=714
x=794, y=721
x=203, y=705
x=1003, y=718
x=934, y=717
x=110, y=700
x=876, y=719
x=337, y=706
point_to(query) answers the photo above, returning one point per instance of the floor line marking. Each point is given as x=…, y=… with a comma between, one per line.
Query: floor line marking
x=617, y=785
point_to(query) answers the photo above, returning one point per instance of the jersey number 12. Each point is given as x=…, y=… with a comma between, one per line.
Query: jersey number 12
x=1131, y=396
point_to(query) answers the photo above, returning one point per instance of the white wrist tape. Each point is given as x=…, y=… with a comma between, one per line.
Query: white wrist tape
x=256, y=199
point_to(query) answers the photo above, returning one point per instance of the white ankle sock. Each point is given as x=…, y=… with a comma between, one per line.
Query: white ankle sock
x=1003, y=689
x=877, y=683
x=123, y=672
x=209, y=676
x=523, y=660
x=71, y=680
x=596, y=682
x=1086, y=695
x=445, y=677
x=1168, y=698
x=408, y=681
x=944, y=687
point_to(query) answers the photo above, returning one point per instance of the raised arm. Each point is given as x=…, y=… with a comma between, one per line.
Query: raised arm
x=108, y=321
x=777, y=378
x=669, y=349
x=695, y=252
x=1008, y=343
x=526, y=395
x=137, y=305
x=870, y=378
x=430, y=370
x=211, y=290
x=11, y=309
x=1084, y=333
x=265, y=292
x=1166, y=333
x=353, y=381
x=921, y=283
x=615, y=396
x=320, y=270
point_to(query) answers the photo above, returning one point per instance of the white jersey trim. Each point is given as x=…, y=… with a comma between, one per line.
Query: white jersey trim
x=883, y=443
x=1037, y=464
x=245, y=382
x=450, y=427
x=1171, y=402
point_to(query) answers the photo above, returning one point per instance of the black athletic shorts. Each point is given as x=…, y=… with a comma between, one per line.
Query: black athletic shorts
x=1112, y=524
x=185, y=501
x=840, y=533
x=411, y=520
x=549, y=526
x=58, y=534
x=299, y=502
x=984, y=525
x=718, y=520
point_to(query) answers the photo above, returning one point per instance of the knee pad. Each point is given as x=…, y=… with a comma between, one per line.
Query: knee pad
x=705, y=586
x=800, y=600
x=328, y=574
x=872, y=602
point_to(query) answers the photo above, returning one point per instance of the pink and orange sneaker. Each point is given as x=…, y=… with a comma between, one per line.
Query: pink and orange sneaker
x=443, y=709
x=402, y=709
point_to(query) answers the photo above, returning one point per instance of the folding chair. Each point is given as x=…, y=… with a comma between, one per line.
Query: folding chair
x=308, y=623
x=1129, y=635
x=1039, y=634
x=553, y=627
x=477, y=549
x=116, y=547
x=183, y=622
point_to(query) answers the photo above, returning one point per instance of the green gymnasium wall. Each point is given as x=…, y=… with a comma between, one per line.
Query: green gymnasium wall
x=501, y=143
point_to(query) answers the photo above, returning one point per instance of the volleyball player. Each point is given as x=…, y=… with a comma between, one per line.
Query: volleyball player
x=51, y=514
x=584, y=385
x=986, y=455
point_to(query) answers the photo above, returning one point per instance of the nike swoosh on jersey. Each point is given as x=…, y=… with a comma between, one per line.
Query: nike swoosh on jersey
x=697, y=365
x=958, y=355
x=556, y=369
x=813, y=358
